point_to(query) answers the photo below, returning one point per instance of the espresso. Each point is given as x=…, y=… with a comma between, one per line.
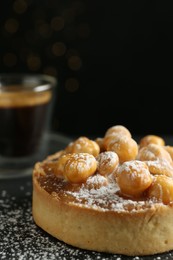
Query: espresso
x=23, y=119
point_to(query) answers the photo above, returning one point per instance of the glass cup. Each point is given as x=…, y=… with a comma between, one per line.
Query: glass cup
x=26, y=103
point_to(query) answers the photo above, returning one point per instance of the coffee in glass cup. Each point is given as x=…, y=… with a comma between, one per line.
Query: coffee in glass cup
x=25, y=114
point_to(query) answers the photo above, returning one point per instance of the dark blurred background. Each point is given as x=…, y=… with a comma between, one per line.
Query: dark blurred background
x=113, y=60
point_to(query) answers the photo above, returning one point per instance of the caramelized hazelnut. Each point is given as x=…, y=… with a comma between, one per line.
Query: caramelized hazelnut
x=133, y=178
x=118, y=129
x=125, y=146
x=161, y=189
x=99, y=141
x=79, y=166
x=151, y=139
x=83, y=145
x=57, y=166
x=107, y=162
x=169, y=149
x=153, y=152
x=160, y=166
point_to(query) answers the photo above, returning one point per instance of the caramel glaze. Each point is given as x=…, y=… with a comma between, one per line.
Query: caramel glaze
x=95, y=193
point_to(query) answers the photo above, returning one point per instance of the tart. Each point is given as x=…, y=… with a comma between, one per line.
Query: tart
x=109, y=195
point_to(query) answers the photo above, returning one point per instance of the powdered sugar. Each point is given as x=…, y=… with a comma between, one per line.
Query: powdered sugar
x=159, y=163
x=108, y=156
x=82, y=159
x=133, y=166
x=106, y=197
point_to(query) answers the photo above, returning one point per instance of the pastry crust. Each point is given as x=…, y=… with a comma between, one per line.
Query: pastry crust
x=123, y=227
x=107, y=202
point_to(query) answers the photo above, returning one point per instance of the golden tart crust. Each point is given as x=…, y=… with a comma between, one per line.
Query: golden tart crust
x=94, y=216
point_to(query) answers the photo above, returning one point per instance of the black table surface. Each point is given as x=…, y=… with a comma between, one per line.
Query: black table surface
x=21, y=238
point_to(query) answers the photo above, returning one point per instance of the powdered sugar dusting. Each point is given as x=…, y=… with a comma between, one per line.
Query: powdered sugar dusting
x=106, y=197
x=108, y=156
x=82, y=159
x=97, y=180
x=159, y=163
x=146, y=154
x=133, y=166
